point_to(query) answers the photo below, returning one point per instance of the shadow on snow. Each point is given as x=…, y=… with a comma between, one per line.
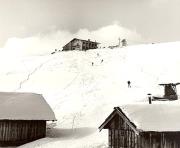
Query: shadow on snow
x=70, y=133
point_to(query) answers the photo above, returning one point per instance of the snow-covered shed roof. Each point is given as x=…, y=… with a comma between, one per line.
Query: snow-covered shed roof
x=24, y=106
x=151, y=117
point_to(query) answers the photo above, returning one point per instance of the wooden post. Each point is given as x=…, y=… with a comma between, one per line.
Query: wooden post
x=150, y=140
x=162, y=140
x=149, y=98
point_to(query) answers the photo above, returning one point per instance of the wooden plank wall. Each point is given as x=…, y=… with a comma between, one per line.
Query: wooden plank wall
x=16, y=131
x=122, y=136
x=123, y=139
x=160, y=140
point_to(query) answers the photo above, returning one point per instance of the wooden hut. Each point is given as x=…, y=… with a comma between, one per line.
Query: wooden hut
x=23, y=118
x=144, y=126
x=170, y=92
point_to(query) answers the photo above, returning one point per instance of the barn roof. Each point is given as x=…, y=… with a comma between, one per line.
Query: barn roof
x=150, y=117
x=24, y=106
x=154, y=117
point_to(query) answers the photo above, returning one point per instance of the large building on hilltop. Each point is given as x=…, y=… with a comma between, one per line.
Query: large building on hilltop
x=144, y=126
x=79, y=44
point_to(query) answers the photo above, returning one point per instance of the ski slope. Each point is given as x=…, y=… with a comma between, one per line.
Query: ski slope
x=82, y=95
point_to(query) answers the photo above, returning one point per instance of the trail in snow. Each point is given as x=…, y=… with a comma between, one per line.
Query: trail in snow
x=31, y=73
x=69, y=84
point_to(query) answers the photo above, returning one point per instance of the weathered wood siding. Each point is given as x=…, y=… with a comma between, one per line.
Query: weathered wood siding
x=160, y=140
x=17, y=132
x=121, y=135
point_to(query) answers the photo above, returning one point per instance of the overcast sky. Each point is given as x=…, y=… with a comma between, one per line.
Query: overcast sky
x=153, y=20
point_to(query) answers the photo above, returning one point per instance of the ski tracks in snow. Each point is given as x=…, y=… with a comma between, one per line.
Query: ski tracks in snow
x=70, y=83
x=31, y=73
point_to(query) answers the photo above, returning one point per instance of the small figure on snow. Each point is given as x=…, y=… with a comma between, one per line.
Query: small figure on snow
x=92, y=63
x=102, y=60
x=129, y=84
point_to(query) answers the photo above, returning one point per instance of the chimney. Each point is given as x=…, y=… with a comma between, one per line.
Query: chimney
x=149, y=98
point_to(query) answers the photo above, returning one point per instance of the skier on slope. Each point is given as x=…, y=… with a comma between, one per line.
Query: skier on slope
x=129, y=84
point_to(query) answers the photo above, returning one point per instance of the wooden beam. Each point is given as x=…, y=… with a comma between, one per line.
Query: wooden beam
x=150, y=140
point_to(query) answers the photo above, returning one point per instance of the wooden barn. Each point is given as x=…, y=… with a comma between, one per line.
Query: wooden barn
x=144, y=126
x=78, y=44
x=23, y=118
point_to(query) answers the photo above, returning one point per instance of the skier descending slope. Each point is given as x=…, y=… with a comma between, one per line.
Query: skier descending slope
x=129, y=84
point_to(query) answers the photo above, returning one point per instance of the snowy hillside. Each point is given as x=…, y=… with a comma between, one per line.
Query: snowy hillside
x=83, y=94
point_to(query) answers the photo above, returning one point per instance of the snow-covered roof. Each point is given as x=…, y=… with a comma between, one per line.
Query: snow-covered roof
x=82, y=40
x=153, y=117
x=24, y=106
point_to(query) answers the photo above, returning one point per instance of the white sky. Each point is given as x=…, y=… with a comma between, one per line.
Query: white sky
x=153, y=20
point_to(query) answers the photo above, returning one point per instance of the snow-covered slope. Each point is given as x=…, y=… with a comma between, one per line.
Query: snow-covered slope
x=83, y=94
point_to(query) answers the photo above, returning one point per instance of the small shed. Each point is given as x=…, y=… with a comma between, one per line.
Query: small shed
x=144, y=126
x=23, y=117
x=170, y=92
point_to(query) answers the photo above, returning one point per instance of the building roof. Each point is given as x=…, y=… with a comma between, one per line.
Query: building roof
x=81, y=40
x=151, y=117
x=84, y=40
x=24, y=106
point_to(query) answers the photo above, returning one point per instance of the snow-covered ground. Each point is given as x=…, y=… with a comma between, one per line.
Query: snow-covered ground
x=82, y=95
